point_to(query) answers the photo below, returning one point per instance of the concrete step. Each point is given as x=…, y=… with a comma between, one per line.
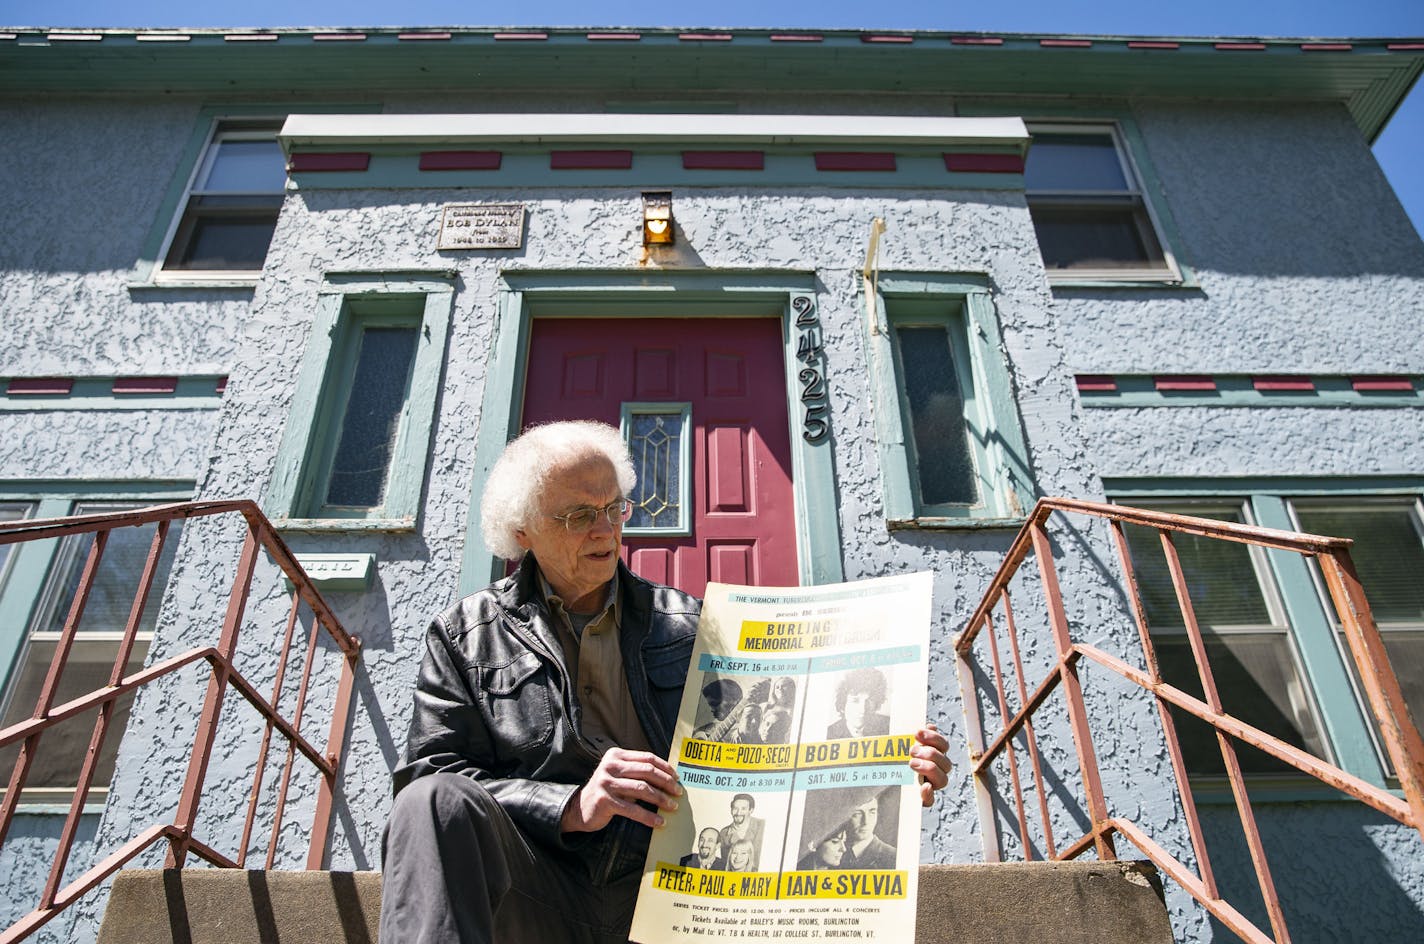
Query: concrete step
x=1018, y=903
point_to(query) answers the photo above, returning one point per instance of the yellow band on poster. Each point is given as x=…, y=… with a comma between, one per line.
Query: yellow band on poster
x=708, y=883
x=852, y=883
x=737, y=756
x=887, y=749
x=785, y=635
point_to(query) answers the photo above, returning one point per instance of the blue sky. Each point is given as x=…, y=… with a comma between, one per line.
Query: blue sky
x=1399, y=149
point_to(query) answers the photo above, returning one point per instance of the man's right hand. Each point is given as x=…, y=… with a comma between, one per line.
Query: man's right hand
x=621, y=779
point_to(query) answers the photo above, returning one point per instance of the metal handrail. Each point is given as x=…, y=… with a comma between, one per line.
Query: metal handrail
x=179, y=834
x=1398, y=731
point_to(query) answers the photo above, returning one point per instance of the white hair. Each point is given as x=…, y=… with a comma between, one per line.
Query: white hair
x=511, y=498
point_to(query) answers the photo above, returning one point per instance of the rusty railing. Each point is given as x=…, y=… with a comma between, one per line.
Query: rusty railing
x=1400, y=737
x=179, y=833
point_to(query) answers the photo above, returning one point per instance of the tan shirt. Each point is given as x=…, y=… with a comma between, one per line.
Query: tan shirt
x=600, y=684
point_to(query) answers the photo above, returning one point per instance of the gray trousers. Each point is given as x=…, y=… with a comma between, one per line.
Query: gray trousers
x=457, y=869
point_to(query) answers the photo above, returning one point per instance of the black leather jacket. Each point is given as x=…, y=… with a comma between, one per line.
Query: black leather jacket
x=495, y=702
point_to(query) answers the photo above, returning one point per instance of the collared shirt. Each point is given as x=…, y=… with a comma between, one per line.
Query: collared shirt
x=601, y=686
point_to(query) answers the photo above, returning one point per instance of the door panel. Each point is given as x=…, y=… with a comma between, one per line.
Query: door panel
x=731, y=372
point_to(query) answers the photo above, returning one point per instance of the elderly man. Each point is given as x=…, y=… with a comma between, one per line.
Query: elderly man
x=544, y=707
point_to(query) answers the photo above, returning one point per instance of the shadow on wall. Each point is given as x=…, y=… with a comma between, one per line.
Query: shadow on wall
x=1343, y=871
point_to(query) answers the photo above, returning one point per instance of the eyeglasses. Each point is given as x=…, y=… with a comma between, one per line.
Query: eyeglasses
x=581, y=519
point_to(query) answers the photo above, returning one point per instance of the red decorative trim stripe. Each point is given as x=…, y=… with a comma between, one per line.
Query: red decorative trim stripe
x=1272, y=382
x=221, y=385
x=976, y=41
x=1379, y=383
x=855, y=160
x=250, y=38
x=705, y=37
x=1095, y=383
x=614, y=36
x=1240, y=46
x=316, y=163
x=1326, y=47
x=39, y=386
x=1066, y=43
x=723, y=160
x=883, y=38
x=460, y=160
x=1145, y=44
x=1184, y=382
x=1403, y=46
x=796, y=37
x=404, y=36
x=520, y=36
x=145, y=384
x=590, y=160
x=339, y=37
x=984, y=163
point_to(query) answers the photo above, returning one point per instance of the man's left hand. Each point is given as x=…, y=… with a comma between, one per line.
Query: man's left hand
x=927, y=759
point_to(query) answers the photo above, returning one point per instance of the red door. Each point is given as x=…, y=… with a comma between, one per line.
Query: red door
x=718, y=382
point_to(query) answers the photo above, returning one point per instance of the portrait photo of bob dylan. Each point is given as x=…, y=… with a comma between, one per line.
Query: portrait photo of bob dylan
x=745, y=710
x=849, y=828
x=860, y=694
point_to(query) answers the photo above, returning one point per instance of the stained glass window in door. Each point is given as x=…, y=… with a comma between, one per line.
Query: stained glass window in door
x=658, y=438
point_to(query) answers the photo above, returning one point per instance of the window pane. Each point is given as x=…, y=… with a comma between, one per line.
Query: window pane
x=1257, y=681
x=14, y=512
x=372, y=417
x=62, y=748
x=1221, y=577
x=112, y=594
x=1388, y=555
x=1085, y=237
x=246, y=167
x=1406, y=657
x=655, y=440
x=941, y=437
x=1084, y=161
x=225, y=234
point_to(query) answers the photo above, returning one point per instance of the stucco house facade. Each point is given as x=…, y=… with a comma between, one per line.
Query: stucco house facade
x=914, y=281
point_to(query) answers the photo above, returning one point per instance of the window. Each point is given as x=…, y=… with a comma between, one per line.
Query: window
x=952, y=448
x=231, y=205
x=63, y=747
x=1088, y=207
x=1267, y=613
x=354, y=451
x=1245, y=630
x=935, y=392
x=1389, y=558
x=659, y=437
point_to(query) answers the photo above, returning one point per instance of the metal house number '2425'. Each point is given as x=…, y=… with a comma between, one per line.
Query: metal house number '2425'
x=814, y=425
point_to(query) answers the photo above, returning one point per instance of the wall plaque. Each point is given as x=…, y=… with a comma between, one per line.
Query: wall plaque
x=482, y=226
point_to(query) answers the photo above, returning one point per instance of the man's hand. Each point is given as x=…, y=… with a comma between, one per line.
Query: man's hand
x=927, y=759
x=621, y=780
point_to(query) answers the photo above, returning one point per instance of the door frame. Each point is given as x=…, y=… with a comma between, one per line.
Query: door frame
x=524, y=295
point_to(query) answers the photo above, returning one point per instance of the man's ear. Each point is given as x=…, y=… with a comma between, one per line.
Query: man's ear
x=522, y=538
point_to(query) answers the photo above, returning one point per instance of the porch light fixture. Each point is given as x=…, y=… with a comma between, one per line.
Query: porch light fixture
x=657, y=218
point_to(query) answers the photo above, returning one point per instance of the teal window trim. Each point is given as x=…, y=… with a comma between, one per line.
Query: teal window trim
x=1323, y=659
x=965, y=307
x=148, y=270
x=26, y=572
x=684, y=460
x=346, y=302
x=705, y=293
x=1119, y=117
